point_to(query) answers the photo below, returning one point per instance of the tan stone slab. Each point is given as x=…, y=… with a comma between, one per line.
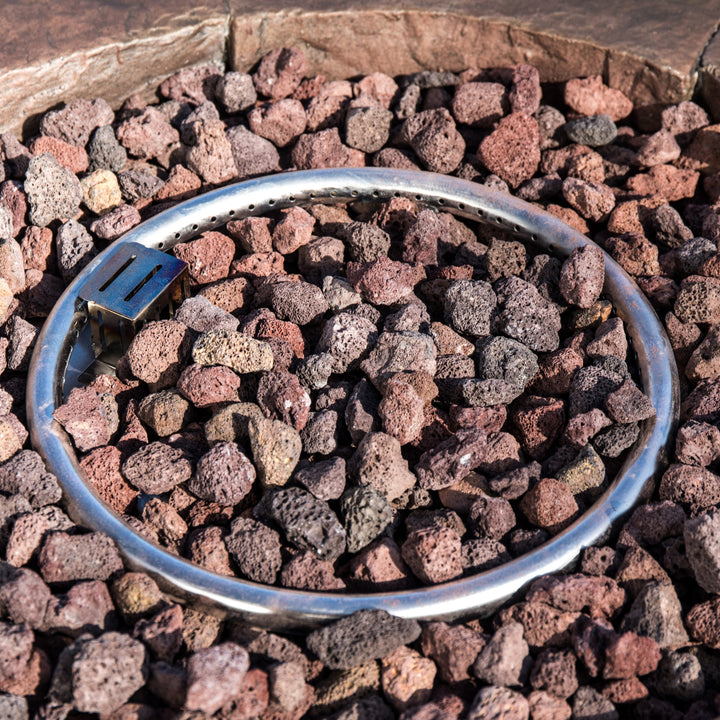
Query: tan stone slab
x=54, y=52
x=61, y=51
x=710, y=77
x=648, y=49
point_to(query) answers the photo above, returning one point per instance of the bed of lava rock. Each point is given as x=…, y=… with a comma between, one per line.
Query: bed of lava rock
x=632, y=631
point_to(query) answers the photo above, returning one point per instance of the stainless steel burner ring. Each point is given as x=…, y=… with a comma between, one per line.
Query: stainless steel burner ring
x=279, y=608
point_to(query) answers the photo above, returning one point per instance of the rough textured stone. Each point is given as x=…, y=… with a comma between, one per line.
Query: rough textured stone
x=361, y=637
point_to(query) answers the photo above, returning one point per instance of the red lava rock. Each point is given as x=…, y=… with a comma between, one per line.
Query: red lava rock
x=72, y=157
x=380, y=565
x=115, y=223
x=581, y=428
x=165, y=522
x=75, y=122
x=582, y=276
x=634, y=253
x=539, y=422
x=407, y=678
x=601, y=595
x=591, y=96
x=555, y=371
x=665, y=182
x=690, y=484
x=328, y=106
x=86, y=607
x=451, y=460
x=435, y=139
x=181, y=184
x=206, y=386
x=195, y=85
x=89, y=418
x=401, y=411
x=491, y=517
x=212, y=154
x=324, y=149
x=525, y=91
x=638, y=568
x=433, y=554
x=512, y=150
x=703, y=622
x=479, y=104
x=306, y=571
x=223, y=475
x=630, y=655
x=24, y=596
x=545, y=706
x=382, y=282
x=64, y=558
x=280, y=72
x=106, y=672
x=294, y=230
x=592, y=200
x=610, y=340
x=454, y=648
x=550, y=505
x=148, y=135
x=157, y=468
x=208, y=257
x=628, y=404
x=162, y=632
x=280, y=122
x=159, y=351
x=697, y=443
x=253, y=234
x=282, y=397
x=554, y=671
x=630, y=690
x=491, y=701
x=658, y=149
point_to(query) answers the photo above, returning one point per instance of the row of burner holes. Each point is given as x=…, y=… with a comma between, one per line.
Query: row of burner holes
x=376, y=194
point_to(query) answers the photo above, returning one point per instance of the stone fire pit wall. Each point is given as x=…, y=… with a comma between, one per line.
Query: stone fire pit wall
x=655, y=51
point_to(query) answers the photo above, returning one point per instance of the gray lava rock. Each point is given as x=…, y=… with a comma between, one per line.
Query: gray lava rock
x=590, y=387
x=253, y=154
x=104, y=151
x=25, y=474
x=594, y=131
x=616, y=439
x=256, y=549
x=320, y=433
x=236, y=92
x=75, y=249
x=505, y=359
x=348, y=338
x=363, y=636
x=656, y=612
x=702, y=544
x=469, y=305
x=53, y=191
x=138, y=184
x=365, y=242
x=367, y=513
x=680, y=676
x=525, y=315
x=505, y=659
x=308, y=523
x=325, y=479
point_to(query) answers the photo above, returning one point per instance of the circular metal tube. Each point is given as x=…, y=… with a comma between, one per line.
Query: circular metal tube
x=280, y=608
